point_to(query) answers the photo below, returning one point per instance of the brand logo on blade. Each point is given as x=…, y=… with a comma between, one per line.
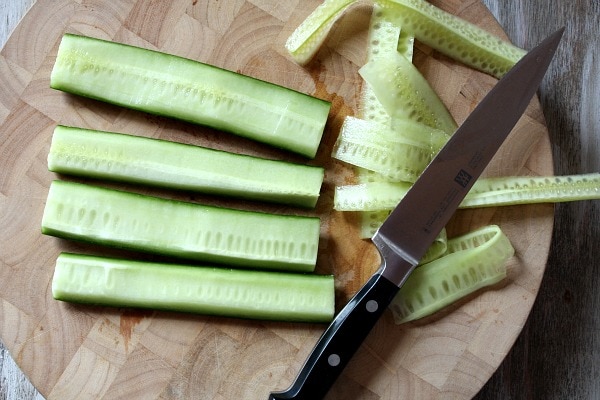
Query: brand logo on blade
x=463, y=178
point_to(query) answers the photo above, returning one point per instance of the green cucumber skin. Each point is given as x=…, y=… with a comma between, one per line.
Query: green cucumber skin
x=172, y=86
x=185, y=230
x=134, y=159
x=194, y=289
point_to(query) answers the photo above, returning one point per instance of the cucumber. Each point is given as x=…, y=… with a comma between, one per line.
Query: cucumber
x=405, y=93
x=126, y=158
x=486, y=192
x=475, y=260
x=513, y=190
x=454, y=36
x=371, y=196
x=400, y=153
x=181, y=229
x=308, y=37
x=172, y=86
x=219, y=291
x=442, y=31
x=385, y=38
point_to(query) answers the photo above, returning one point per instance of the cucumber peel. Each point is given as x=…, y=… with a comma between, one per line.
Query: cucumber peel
x=219, y=291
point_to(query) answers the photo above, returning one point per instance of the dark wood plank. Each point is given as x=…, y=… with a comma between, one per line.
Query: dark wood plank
x=558, y=352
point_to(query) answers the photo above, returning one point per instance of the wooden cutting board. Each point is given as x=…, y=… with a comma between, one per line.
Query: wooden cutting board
x=74, y=352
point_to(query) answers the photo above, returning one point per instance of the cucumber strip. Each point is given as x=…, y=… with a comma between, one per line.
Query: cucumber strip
x=371, y=196
x=365, y=176
x=454, y=36
x=535, y=189
x=385, y=37
x=134, y=159
x=437, y=249
x=195, y=289
x=406, y=43
x=370, y=221
x=475, y=260
x=175, y=228
x=308, y=37
x=400, y=154
x=405, y=93
x=486, y=192
x=172, y=86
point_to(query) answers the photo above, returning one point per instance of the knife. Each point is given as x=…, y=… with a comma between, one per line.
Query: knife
x=415, y=222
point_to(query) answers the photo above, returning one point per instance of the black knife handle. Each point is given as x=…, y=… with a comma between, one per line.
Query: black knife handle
x=341, y=340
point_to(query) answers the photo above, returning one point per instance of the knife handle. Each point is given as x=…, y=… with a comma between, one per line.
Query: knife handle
x=341, y=340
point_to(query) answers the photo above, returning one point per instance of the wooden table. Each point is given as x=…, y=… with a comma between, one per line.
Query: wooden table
x=557, y=354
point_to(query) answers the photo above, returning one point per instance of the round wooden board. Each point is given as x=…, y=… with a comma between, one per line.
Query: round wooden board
x=72, y=352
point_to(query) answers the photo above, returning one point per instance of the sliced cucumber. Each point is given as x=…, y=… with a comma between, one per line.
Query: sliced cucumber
x=474, y=260
x=385, y=38
x=185, y=288
x=405, y=93
x=370, y=222
x=454, y=36
x=308, y=37
x=399, y=154
x=186, y=230
x=371, y=196
x=168, y=85
x=127, y=158
x=512, y=190
x=486, y=192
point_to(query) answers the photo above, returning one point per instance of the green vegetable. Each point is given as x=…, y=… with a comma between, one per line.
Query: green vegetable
x=308, y=37
x=135, y=159
x=399, y=153
x=195, y=289
x=486, y=192
x=405, y=93
x=371, y=196
x=533, y=189
x=447, y=33
x=454, y=36
x=168, y=85
x=185, y=230
x=438, y=248
x=385, y=39
x=475, y=260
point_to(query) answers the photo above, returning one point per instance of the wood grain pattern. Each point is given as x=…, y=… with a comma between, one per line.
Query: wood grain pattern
x=73, y=351
x=557, y=354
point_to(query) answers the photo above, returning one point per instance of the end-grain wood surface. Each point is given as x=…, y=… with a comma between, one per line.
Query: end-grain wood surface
x=555, y=357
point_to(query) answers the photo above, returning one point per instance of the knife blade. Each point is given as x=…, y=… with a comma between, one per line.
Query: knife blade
x=415, y=222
